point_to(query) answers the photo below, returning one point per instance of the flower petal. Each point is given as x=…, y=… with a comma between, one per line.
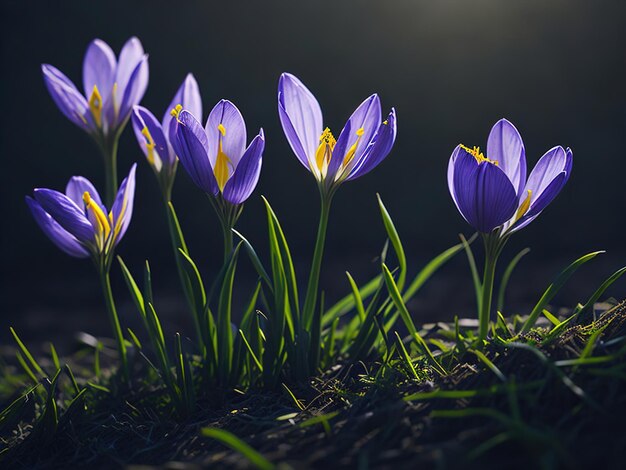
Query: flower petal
x=122, y=210
x=133, y=91
x=379, y=147
x=190, y=144
x=144, y=121
x=66, y=213
x=59, y=236
x=132, y=53
x=76, y=187
x=244, y=180
x=68, y=99
x=234, y=138
x=550, y=165
x=365, y=120
x=505, y=146
x=485, y=196
x=301, y=117
x=188, y=96
x=451, y=167
x=99, y=68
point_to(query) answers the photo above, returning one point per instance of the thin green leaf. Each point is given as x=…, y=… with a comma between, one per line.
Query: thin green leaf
x=473, y=269
x=392, y=233
x=27, y=354
x=554, y=288
x=236, y=444
x=507, y=276
x=406, y=357
x=599, y=291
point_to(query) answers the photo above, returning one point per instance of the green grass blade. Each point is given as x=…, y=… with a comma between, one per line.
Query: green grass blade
x=599, y=291
x=408, y=321
x=55, y=357
x=507, y=276
x=358, y=300
x=346, y=304
x=224, y=313
x=256, y=261
x=133, y=288
x=392, y=233
x=35, y=365
x=554, y=288
x=252, y=354
x=473, y=269
x=236, y=444
x=195, y=280
x=406, y=357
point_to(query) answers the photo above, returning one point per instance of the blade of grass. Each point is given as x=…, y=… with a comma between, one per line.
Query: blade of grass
x=506, y=276
x=236, y=444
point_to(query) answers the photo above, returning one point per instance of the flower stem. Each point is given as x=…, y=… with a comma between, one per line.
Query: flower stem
x=115, y=322
x=227, y=231
x=311, y=318
x=109, y=153
x=492, y=251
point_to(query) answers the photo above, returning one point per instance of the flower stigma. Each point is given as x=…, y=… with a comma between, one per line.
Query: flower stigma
x=95, y=105
x=478, y=155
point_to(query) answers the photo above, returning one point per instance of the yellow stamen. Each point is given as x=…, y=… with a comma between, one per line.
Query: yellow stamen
x=104, y=228
x=324, y=152
x=478, y=155
x=95, y=105
x=523, y=208
x=149, y=144
x=352, y=150
x=176, y=110
x=385, y=122
x=222, y=161
x=116, y=106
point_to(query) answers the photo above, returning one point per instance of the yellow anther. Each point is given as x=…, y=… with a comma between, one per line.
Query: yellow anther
x=176, y=110
x=104, y=228
x=149, y=144
x=324, y=152
x=352, y=150
x=478, y=155
x=385, y=122
x=222, y=162
x=95, y=105
x=523, y=208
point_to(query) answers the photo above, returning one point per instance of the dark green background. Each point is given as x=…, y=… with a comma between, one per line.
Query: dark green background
x=451, y=68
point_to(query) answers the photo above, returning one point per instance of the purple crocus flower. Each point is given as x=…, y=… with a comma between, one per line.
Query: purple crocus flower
x=153, y=136
x=78, y=222
x=215, y=156
x=362, y=144
x=111, y=87
x=491, y=191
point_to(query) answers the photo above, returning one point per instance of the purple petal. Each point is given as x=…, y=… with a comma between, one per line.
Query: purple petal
x=144, y=119
x=367, y=117
x=554, y=161
x=451, y=167
x=188, y=96
x=505, y=146
x=539, y=204
x=76, y=187
x=379, y=147
x=68, y=99
x=122, y=210
x=301, y=117
x=484, y=194
x=234, y=138
x=190, y=144
x=66, y=213
x=134, y=90
x=99, y=68
x=132, y=53
x=60, y=237
x=244, y=180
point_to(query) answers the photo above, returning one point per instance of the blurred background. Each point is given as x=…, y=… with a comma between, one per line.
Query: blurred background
x=451, y=68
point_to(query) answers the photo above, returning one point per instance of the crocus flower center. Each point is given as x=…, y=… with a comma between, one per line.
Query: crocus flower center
x=103, y=226
x=95, y=105
x=324, y=151
x=478, y=155
x=222, y=162
x=176, y=111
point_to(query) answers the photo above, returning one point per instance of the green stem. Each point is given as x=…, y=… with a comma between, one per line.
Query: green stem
x=115, y=322
x=311, y=317
x=109, y=153
x=492, y=251
x=227, y=231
